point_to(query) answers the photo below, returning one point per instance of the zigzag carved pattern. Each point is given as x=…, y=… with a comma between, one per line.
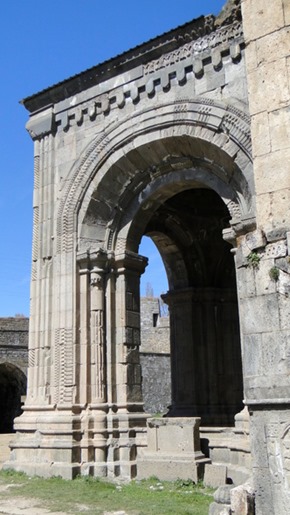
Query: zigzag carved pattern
x=35, y=234
x=31, y=357
x=238, y=130
x=65, y=221
x=68, y=375
x=63, y=366
x=36, y=172
x=34, y=271
x=56, y=368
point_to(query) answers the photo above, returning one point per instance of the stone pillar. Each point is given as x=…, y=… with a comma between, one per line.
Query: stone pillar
x=129, y=268
x=97, y=332
x=92, y=361
x=126, y=419
x=182, y=352
x=263, y=256
x=206, y=354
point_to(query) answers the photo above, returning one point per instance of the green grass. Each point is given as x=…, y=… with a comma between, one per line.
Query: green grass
x=91, y=496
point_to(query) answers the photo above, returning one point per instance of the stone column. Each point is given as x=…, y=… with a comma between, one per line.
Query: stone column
x=182, y=352
x=206, y=354
x=83, y=313
x=97, y=329
x=92, y=361
x=128, y=269
x=126, y=419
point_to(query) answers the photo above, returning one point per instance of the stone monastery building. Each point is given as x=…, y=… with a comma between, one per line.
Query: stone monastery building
x=184, y=139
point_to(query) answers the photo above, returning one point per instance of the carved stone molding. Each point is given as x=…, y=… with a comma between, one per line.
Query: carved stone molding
x=175, y=67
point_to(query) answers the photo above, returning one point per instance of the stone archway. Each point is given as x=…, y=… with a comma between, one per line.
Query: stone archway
x=113, y=148
x=109, y=145
x=147, y=198
x=12, y=388
x=90, y=380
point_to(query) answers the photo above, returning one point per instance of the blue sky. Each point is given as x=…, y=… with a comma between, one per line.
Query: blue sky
x=43, y=43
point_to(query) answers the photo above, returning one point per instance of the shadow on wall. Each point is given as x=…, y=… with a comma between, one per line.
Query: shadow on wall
x=12, y=387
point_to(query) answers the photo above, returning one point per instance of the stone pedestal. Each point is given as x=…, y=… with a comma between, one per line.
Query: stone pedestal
x=173, y=450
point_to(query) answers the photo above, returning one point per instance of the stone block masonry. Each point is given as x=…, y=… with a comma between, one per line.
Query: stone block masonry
x=265, y=312
x=14, y=341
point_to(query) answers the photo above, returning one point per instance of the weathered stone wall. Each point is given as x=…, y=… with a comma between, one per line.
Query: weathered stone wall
x=156, y=382
x=264, y=298
x=155, y=329
x=14, y=341
x=155, y=356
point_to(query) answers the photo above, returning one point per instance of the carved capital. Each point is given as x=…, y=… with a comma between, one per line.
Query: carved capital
x=130, y=262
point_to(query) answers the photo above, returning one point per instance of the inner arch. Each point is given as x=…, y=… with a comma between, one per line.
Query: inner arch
x=206, y=366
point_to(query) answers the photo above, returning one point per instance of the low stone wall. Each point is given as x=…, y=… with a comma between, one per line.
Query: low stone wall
x=156, y=385
x=155, y=356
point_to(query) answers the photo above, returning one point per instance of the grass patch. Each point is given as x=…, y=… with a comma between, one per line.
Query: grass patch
x=92, y=496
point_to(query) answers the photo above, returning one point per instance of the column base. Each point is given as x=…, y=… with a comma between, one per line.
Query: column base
x=75, y=441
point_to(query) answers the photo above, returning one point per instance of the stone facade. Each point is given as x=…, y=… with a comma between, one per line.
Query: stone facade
x=158, y=142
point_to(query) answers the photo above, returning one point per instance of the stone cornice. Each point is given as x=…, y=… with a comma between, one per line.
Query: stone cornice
x=190, y=62
x=194, y=37
x=142, y=53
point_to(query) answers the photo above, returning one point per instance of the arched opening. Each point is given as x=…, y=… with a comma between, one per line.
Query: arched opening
x=12, y=387
x=155, y=332
x=206, y=367
x=182, y=192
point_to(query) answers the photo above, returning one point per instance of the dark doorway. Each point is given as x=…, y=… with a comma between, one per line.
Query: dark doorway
x=12, y=387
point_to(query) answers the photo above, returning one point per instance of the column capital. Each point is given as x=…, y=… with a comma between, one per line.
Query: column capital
x=130, y=261
x=93, y=261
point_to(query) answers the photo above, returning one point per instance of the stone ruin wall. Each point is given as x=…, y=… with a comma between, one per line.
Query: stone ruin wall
x=155, y=329
x=155, y=356
x=14, y=341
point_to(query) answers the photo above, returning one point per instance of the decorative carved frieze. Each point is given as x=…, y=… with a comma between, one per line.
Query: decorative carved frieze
x=179, y=65
x=207, y=42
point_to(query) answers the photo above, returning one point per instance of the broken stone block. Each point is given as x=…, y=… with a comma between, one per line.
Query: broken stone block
x=255, y=240
x=215, y=475
x=243, y=500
